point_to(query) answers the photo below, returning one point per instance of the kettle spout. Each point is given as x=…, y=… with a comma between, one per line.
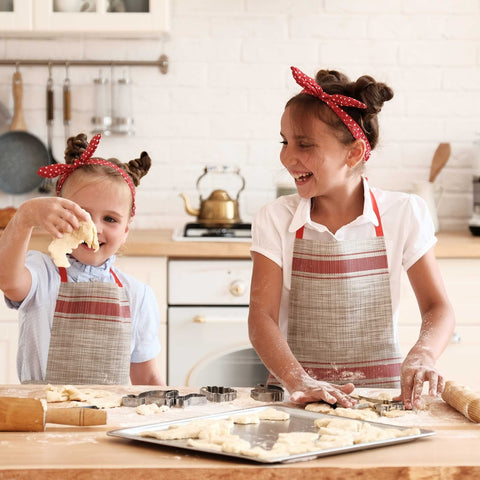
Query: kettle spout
x=188, y=207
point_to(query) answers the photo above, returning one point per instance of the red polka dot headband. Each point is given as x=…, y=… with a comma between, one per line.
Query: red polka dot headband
x=64, y=170
x=311, y=87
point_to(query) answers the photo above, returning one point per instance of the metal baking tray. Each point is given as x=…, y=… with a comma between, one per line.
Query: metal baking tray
x=265, y=433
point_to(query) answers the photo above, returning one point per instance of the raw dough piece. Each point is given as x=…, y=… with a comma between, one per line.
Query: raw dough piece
x=151, y=408
x=97, y=398
x=59, y=247
x=208, y=430
x=319, y=407
x=273, y=414
x=246, y=419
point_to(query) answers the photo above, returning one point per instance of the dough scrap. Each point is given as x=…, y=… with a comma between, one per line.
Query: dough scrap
x=208, y=430
x=273, y=414
x=97, y=398
x=59, y=247
x=151, y=408
x=247, y=419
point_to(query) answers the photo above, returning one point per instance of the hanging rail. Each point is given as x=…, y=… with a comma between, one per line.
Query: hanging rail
x=161, y=63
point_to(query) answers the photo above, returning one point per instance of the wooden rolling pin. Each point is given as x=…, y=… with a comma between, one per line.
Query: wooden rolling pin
x=463, y=399
x=31, y=415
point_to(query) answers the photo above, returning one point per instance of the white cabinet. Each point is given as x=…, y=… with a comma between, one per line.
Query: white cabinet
x=460, y=359
x=149, y=270
x=139, y=18
x=153, y=272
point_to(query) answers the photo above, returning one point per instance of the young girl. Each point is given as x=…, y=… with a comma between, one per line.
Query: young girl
x=89, y=323
x=327, y=261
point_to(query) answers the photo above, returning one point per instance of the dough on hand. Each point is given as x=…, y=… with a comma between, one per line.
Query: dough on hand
x=59, y=247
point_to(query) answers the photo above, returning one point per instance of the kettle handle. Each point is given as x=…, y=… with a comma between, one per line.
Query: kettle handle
x=223, y=169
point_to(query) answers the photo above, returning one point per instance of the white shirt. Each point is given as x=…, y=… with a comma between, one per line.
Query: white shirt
x=36, y=312
x=407, y=226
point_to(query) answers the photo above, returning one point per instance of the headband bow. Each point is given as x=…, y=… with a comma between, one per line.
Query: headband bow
x=64, y=170
x=311, y=87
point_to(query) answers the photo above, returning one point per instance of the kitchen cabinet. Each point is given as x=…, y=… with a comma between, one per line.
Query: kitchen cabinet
x=141, y=18
x=462, y=355
x=149, y=270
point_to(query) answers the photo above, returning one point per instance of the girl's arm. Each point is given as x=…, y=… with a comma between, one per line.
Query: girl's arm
x=55, y=215
x=145, y=373
x=271, y=345
x=438, y=323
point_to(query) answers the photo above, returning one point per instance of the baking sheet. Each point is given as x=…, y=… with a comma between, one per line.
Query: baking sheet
x=265, y=433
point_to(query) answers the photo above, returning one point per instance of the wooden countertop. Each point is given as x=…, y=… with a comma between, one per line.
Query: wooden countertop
x=87, y=452
x=455, y=244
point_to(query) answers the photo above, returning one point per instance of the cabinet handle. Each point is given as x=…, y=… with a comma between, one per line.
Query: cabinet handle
x=456, y=338
x=199, y=319
x=237, y=288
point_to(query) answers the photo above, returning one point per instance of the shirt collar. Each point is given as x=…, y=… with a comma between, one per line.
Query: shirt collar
x=78, y=269
x=302, y=217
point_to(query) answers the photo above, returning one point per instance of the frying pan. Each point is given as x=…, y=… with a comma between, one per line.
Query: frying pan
x=21, y=153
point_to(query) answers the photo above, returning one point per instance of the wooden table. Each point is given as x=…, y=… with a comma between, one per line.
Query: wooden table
x=88, y=453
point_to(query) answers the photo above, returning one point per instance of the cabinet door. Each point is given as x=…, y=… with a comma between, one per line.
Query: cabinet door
x=16, y=15
x=153, y=272
x=104, y=17
x=462, y=355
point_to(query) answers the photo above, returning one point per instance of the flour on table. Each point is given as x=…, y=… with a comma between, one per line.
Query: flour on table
x=151, y=409
x=59, y=247
x=97, y=398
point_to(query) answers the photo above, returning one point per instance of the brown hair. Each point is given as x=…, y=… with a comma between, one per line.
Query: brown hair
x=372, y=93
x=136, y=168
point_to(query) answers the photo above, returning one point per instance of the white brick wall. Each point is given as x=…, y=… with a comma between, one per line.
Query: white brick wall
x=229, y=80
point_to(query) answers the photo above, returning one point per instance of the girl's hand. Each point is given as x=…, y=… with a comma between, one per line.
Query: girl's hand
x=418, y=369
x=317, y=390
x=56, y=215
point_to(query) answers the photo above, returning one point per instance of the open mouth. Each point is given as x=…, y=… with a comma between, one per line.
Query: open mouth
x=86, y=247
x=301, y=178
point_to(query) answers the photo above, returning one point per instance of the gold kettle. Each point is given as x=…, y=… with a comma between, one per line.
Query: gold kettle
x=219, y=210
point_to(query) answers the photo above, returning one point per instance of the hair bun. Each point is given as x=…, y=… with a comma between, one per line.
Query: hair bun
x=374, y=94
x=75, y=147
x=138, y=167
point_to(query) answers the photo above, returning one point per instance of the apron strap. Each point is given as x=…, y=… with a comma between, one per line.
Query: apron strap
x=378, y=228
x=63, y=276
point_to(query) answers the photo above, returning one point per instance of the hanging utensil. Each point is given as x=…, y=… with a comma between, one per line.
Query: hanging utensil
x=21, y=153
x=47, y=184
x=67, y=104
x=440, y=158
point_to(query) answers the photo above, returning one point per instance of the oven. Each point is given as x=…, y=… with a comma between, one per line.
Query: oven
x=208, y=340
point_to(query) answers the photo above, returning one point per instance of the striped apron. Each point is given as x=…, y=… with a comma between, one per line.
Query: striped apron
x=91, y=334
x=340, y=323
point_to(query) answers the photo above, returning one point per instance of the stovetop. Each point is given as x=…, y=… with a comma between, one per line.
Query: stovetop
x=238, y=232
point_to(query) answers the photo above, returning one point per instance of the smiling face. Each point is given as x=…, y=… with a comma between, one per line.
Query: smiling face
x=313, y=155
x=108, y=200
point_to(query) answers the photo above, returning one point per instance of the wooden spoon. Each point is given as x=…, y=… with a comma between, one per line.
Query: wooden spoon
x=440, y=158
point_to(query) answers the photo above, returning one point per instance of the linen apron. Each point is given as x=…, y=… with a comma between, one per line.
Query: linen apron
x=340, y=322
x=91, y=334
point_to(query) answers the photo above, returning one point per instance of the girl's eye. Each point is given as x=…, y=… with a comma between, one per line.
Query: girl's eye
x=109, y=219
x=283, y=142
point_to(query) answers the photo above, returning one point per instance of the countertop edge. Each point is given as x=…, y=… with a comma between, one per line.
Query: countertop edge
x=159, y=243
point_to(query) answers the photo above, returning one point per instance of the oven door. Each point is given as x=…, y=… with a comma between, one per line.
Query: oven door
x=210, y=346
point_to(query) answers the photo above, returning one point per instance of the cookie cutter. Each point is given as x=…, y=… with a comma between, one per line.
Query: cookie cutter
x=219, y=394
x=379, y=405
x=267, y=393
x=170, y=398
